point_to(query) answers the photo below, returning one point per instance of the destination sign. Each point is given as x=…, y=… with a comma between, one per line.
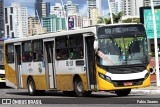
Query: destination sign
x=120, y=29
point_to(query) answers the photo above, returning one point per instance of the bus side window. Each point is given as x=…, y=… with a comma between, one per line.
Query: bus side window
x=62, y=48
x=27, y=53
x=37, y=50
x=76, y=46
x=10, y=53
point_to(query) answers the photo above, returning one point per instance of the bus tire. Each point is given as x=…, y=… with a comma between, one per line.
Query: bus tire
x=79, y=88
x=123, y=92
x=31, y=87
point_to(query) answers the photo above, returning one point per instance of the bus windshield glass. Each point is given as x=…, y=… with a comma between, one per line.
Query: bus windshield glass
x=122, y=49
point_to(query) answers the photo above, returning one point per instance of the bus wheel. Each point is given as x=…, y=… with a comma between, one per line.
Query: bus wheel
x=123, y=92
x=31, y=87
x=79, y=89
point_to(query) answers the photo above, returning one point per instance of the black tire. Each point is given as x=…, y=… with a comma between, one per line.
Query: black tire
x=31, y=87
x=79, y=89
x=123, y=92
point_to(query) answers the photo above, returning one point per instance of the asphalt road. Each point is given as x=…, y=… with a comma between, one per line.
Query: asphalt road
x=58, y=99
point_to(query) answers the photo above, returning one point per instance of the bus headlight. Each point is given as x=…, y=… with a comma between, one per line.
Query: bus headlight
x=146, y=76
x=104, y=77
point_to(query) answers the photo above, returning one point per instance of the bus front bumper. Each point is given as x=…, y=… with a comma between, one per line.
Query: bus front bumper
x=104, y=85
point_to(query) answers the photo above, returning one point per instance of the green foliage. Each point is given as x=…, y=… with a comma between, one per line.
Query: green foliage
x=131, y=20
x=116, y=19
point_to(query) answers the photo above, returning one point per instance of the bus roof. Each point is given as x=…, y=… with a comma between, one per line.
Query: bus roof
x=50, y=35
x=70, y=32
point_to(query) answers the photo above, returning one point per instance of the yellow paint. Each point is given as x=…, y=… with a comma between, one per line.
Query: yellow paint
x=64, y=82
x=10, y=74
x=148, y=67
x=39, y=80
x=105, y=85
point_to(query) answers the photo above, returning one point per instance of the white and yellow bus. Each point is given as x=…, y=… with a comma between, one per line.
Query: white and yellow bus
x=99, y=58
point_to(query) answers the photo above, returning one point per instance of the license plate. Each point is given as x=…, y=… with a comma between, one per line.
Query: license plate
x=128, y=83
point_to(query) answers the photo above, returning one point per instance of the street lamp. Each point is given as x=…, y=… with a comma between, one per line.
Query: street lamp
x=155, y=44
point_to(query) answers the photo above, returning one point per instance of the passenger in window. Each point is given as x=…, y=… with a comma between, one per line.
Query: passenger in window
x=81, y=53
x=58, y=55
x=71, y=54
x=30, y=56
x=23, y=57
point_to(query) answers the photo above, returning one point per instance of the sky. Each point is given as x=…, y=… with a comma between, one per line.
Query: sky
x=82, y=5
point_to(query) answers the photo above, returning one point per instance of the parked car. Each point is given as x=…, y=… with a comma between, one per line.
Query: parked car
x=2, y=77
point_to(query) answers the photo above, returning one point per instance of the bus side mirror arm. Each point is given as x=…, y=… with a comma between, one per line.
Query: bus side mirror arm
x=96, y=46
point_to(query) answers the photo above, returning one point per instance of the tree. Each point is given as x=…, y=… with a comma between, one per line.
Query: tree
x=116, y=18
x=104, y=20
x=131, y=20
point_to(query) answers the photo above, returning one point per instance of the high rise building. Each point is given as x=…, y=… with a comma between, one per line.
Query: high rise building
x=94, y=16
x=1, y=18
x=90, y=5
x=57, y=10
x=42, y=9
x=71, y=8
x=34, y=26
x=155, y=2
x=16, y=21
x=86, y=22
x=98, y=4
x=53, y=24
x=128, y=7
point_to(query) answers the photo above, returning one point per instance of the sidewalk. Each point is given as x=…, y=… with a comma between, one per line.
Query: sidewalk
x=153, y=89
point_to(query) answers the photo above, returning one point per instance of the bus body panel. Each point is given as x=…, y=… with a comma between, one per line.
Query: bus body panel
x=10, y=75
x=108, y=85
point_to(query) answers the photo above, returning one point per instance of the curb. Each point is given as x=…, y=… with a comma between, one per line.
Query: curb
x=138, y=91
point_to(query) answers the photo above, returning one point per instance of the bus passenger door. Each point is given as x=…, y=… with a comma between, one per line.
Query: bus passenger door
x=18, y=65
x=90, y=62
x=50, y=62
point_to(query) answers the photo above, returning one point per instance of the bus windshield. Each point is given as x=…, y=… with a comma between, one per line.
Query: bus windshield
x=122, y=45
x=122, y=51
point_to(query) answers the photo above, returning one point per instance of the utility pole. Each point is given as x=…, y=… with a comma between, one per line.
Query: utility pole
x=65, y=14
x=155, y=44
x=109, y=6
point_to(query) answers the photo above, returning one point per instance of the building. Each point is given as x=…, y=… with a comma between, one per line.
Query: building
x=74, y=21
x=53, y=24
x=94, y=16
x=16, y=21
x=71, y=8
x=98, y=4
x=90, y=5
x=42, y=9
x=155, y=3
x=128, y=7
x=1, y=18
x=86, y=22
x=57, y=10
x=34, y=27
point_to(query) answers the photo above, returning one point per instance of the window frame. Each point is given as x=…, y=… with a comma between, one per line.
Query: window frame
x=76, y=46
x=26, y=54
x=40, y=51
x=11, y=54
x=59, y=48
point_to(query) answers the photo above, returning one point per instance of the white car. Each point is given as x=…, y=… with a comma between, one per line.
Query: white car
x=2, y=76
